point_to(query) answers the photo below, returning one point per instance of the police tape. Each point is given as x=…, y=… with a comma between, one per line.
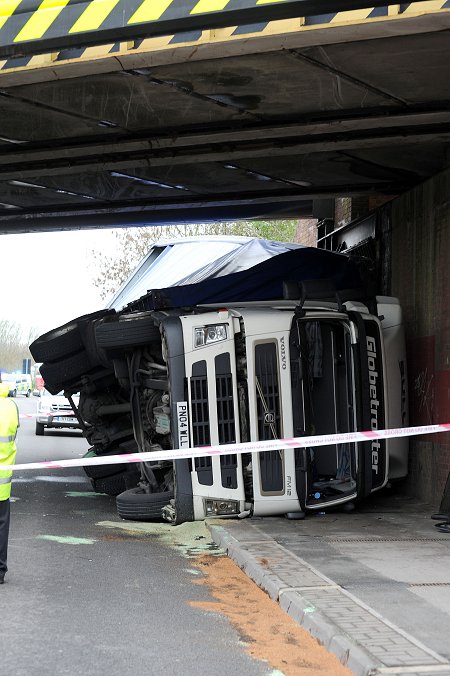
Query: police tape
x=47, y=414
x=236, y=449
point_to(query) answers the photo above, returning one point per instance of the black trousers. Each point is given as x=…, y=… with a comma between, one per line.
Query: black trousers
x=4, y=533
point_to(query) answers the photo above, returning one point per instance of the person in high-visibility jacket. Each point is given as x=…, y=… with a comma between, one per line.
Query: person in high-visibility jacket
x=9, y=422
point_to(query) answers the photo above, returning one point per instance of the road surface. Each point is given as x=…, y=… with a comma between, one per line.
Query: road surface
x=87, y=593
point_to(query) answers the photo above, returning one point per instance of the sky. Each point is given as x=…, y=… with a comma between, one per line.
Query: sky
x=47, y=277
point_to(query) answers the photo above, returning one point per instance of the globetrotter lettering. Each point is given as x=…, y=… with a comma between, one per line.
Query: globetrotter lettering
x=374, y=401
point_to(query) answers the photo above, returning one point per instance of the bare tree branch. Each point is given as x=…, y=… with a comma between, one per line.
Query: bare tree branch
x=109, y=272
x=14, y=345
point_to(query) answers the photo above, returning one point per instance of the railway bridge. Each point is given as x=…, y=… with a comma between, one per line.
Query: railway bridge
x=117, y=113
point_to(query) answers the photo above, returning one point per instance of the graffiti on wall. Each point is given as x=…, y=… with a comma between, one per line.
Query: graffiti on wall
x=423, y=386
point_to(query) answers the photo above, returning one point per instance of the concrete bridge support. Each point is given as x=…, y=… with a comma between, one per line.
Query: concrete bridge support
x=419, y=246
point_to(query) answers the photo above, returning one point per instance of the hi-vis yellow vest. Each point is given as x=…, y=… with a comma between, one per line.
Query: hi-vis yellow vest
x=9, y=422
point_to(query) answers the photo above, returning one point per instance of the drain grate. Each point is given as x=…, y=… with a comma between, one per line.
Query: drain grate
x=380, y=540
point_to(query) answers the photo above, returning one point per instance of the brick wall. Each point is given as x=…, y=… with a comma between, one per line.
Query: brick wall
x=420, y=276
x=306, y=232
x=347, y=209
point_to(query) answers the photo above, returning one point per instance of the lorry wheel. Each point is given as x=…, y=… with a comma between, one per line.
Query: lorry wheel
x=58, y=376
x=101, y=471
x=137, y=505
x=111, y=485
x=117, y=483
x=40, y=429
x=64, y=340
x=128, y=331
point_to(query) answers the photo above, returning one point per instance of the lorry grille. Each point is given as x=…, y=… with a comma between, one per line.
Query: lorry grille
x=203, y=467
x=226, y=429
x=226, y=418
x=200, y=412
x=61, y=407
x=225, y=409
x=268, y=412
x=200, y=424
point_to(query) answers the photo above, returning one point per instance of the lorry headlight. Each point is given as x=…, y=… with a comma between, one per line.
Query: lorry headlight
x=213, y=333
x=221, y=507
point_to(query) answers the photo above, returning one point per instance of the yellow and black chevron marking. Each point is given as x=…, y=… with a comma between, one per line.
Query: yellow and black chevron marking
x=24, y=21
x=53, y=17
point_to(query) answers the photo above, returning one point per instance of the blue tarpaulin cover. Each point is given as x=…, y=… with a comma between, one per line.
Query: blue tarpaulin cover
x=189, y=260
x=263, y=281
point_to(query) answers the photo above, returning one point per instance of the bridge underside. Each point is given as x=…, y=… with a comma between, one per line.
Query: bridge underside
x=249, y=133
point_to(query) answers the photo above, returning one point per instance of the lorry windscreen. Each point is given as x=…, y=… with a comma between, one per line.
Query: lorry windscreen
x=323, y=401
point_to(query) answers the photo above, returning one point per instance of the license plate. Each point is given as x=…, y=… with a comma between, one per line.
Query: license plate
x=63, y=419
x=183, y=424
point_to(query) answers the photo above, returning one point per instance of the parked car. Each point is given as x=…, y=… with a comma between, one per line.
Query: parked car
x=23, y=384
x=19, y=383
x=55, y=412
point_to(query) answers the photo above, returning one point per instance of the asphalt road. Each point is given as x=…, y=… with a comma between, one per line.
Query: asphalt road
x=84, y=595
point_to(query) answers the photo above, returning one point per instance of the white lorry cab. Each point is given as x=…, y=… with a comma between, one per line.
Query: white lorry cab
x=268, y=372
x=306, y=360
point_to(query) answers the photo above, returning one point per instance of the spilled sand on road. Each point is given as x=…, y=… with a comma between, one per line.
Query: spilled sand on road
x=268, y=633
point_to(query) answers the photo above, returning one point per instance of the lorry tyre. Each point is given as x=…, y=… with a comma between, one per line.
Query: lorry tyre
x=64, y=340
x=40, y=429
x=128, y=331
x=58, y=376
x=102, y=471
x=111, y=485
x=137, y=505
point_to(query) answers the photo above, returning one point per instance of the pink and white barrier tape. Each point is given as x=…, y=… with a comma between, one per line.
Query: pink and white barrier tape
x=48, y=414
x=231, y=449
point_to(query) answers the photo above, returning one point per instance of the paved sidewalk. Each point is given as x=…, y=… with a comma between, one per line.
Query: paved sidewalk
x=373, y=586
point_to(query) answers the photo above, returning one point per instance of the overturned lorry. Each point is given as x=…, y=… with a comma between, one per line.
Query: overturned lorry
x=291, y=347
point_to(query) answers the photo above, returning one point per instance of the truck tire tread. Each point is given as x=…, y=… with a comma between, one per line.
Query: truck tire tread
x=136, y=505
x=127, y=333
x=57, y=376
x=63, y=341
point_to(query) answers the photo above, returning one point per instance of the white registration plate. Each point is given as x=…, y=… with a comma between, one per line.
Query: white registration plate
x=183, y=424
x=64, y=419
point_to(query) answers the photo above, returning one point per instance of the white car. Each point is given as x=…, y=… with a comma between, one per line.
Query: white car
x=55, y=412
